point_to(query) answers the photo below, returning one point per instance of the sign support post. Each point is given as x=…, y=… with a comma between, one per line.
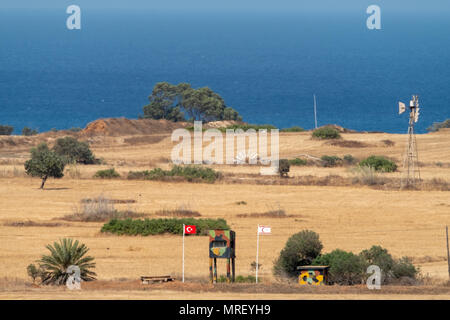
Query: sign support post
x=257, y=253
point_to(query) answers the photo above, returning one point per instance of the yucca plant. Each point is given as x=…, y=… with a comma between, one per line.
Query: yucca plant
x=62, y=255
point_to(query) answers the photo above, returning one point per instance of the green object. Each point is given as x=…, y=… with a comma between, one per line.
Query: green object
x=63, y=254
x=44, y=163
x=379, y=163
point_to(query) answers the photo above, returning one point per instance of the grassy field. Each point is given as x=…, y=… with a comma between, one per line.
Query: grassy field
x=350, y=217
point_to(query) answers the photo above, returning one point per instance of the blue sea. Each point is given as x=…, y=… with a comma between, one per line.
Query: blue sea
x=267, y=66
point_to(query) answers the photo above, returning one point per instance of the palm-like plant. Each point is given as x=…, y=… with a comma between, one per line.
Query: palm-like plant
x=62, y=255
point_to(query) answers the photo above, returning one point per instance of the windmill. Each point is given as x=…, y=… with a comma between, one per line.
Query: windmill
x=411, y=171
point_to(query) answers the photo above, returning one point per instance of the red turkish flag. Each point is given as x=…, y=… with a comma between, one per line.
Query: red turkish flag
x=190, y=229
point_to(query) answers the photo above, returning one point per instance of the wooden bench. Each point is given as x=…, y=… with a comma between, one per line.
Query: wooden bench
x=155, y=279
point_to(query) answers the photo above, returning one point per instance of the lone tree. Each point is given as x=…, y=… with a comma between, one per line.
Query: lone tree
x=174, y=102
x=44, y=163
x=71, y=150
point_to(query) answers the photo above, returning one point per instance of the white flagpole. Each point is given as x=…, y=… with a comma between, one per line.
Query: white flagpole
x=257, y=253
x=183, y=250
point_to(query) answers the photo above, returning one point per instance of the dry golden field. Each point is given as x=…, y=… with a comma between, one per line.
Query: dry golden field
x=349, y=217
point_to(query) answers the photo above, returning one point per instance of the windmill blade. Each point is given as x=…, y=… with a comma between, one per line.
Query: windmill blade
x=416, y=116
x=401, y=107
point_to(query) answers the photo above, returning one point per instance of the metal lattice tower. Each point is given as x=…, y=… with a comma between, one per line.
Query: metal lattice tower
x=411, y=170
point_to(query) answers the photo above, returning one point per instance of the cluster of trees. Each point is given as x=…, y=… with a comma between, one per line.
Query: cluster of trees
x=176, y=102
x=346, y=268
x=439, y=125
x=8, y=130
x=46, y=162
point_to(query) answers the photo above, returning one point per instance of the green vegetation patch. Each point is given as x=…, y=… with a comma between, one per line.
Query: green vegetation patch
x=192, y=173
x=326, y=133
x=149, y=227
x=379, y=163
x=107, y=174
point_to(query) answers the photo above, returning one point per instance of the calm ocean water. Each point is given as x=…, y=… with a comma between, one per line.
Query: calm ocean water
x=266, y=66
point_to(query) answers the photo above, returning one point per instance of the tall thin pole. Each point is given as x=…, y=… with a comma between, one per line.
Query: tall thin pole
x=315, y=112
x=448, y=251
x=183, y=251
x=257, y=253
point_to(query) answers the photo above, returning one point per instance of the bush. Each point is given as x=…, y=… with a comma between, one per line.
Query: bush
x=439, y=125
x=367, y=176
x=349, y=159
x=98, y=209
x=191, y=173
x=326, y=133
x=404, y=268
x=379, y=256
x=391, y=268
x=6, y=130
x=298, y=162
x=160, y=226
x=284, y=167
x=346, y=268
x=300, y=249
x=293, y=129
x=107, y=174
x=29, y=132
x=379, y=163
x=73, y=150
x=331, y=161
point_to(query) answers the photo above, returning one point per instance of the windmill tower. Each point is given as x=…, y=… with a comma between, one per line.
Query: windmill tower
x=411, y=171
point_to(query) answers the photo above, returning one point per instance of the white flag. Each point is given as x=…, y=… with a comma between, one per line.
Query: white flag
x=264, y=230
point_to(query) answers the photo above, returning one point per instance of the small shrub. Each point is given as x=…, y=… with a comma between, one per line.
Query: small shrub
x=34, y=272
x=331, y=161
x=367, y=176
x=160, y=226
x=439, y=125
x=29, y=132
x=379, y=163
x=293, y=129
x=388, y=143
x=107, y=174
x=326, y=133
x=298, y=162
x=403, y=268
x=379, y=256
x=6, y=130
x=346, y=268
x=241, y=203
x=73, y=150
x=300, y=249
x=284, y=167
x=349, y=159
x=98, y=209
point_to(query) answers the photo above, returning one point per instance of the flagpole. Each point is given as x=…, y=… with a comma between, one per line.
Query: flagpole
x=183, y=250
x=257, y=253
